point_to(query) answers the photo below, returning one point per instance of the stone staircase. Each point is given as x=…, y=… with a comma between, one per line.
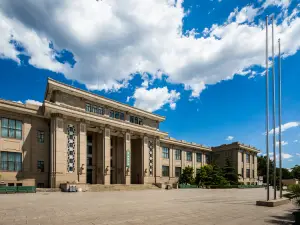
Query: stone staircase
x=120, y=187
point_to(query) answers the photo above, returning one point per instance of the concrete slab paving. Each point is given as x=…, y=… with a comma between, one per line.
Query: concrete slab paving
x=183, y=206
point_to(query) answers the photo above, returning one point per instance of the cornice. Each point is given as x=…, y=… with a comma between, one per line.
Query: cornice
x=53, y=108
x=184, y=144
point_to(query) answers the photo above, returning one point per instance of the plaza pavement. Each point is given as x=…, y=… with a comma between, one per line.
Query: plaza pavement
x=183, y=206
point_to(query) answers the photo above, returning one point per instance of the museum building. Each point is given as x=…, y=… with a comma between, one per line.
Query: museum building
x=78, y=136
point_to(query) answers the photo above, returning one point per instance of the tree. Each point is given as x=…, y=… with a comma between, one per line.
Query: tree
x=296, y=172
x=229, y=173
x=186, y=176
x=210, y=175
x=262, y=168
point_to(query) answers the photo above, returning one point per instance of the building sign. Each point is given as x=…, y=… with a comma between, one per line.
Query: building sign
x=128, y=158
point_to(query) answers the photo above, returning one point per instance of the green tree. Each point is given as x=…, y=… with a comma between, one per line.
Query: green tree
x=187, y=176
x=262, y=168
x=210, y=175
x=230, y=173
x=296, y=172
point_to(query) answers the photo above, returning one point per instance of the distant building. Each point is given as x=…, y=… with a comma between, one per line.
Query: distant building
x=243, y=158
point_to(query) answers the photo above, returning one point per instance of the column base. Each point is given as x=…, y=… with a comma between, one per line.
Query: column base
x=107, y=179
x=127, y=180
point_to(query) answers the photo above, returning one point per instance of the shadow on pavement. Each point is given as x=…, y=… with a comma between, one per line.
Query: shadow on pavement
x=287, y=218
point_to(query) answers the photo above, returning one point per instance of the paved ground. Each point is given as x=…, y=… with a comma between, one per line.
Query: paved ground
x=185, y=206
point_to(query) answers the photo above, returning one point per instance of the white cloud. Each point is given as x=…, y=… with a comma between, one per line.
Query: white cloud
x=154, y=99
x=295, y=141
x=128, y=98
x=111, y=42
x=18, y=102
x=283, y=143
x=34, y=102
x=297, y=154
x=283, y=156
x=285, y=127
x=278, y=3
x=247, y=13
x=229, y=138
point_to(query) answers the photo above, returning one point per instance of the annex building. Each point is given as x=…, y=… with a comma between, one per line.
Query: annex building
x=79, y=136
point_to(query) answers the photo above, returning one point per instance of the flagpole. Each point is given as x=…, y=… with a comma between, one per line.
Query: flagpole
x=279, y=118
x=267, y=113
x=274, y=119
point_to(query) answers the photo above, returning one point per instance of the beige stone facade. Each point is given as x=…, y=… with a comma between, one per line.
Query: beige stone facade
x=243, y=158
x=77, y=136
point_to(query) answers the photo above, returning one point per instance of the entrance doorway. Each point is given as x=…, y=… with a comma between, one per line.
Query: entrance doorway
x=89, y=159
x=137, y=175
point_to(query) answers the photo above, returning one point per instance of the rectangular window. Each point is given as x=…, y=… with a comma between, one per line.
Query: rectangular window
x=11, y=161
x=247, y=158
x=111, y=114
x=165, y=153
x=40, y=166
x=94, y=109
x=248, y=173
x=177, y=154
x=140, y=121
x=189, y=156
x=117, y=115
x=88, y=108
x=40, y=136
x=199, y=157
x=122, y=116
x=136, y=120
x=11, y=128
x=165, y=171
x=89, y=149
x=131, y=119
x=177, y=171
x=207, y=158
x=100, y=111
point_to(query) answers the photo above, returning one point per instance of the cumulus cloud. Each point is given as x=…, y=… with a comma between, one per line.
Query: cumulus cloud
x=113, y=40
x=278, y=3
x=34, y=102
x=229, y=138
x=282, y=143
x=283, y=156
x=155, y=98
x=285, y=127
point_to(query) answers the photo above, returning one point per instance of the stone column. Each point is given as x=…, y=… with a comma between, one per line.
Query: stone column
x=106, y=151
x=157, y=161
x=183, y=159
x=127, y=157
x=81, y=152
x=194, y=162
x=171, y=163
x=52, y=153
x=244, y=164
x=145, y=158
x=255, y=167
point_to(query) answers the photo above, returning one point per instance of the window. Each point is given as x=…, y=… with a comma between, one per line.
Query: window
x=199, y=157
x=88, y=108
x=131, y=119
x=40, y=166
x=136, y=120
x=11, y=161
x=89, y=149
x=11, y=128
x=165, y=153
x=111, y=114
x=207, y=158
x=40, y=136
x=247, y=158
x=177, y=171
x=189, y=156
x=165, y=171
x=94, y=109
x=248, y=173
x=89, y=161
x=19, y=184
x=177, y=154
x=117, y=115
x=122, y=116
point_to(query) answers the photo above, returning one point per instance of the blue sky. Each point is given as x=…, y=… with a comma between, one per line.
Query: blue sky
x=199, y=63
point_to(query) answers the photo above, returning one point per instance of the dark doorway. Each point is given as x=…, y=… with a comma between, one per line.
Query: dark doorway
x=136, y=161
